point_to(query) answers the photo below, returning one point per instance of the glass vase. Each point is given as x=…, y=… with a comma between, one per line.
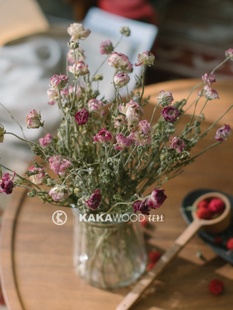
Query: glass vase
x=109, y=255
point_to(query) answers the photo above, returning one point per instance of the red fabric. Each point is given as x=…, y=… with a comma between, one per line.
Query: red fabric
x=134, y=9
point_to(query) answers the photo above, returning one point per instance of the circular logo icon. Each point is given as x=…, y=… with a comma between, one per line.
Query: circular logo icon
x=59, y=217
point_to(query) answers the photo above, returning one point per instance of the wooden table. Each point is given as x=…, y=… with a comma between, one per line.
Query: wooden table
x=36, y=255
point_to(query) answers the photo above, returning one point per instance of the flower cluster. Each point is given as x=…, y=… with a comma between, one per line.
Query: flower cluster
x=105, y=154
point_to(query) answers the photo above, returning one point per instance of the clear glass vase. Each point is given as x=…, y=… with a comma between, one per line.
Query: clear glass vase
x=109, y=255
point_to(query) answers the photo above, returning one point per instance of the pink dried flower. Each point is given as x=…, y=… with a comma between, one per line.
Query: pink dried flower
x=141, y=206
x=33, y=119
x=82, y=116
x=145, y=59
x=46, y=140
x=52, y=95
x=103, y=136
x=164, y=98
x=156, y=198
x=144, y=127
x=95, y=105
x=75, y=55
x=133, y=112
x=59, y=192
x=208, y=78
x=121, y=79
x=210, y=93
x=94, y=201
x=106, y=47
x=153, y=201
x=119, y=121
x=59, y=164
x=79, y=68
x=122, y=142
x=142, y=134
x=59, y=81
x=36, y=175
x=120, y=61
x=6, y=183
x=139, y=138
x=170, y=114
x=222, y=133
x=177, y=144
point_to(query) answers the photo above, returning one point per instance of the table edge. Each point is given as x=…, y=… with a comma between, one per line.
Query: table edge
x=7, y=258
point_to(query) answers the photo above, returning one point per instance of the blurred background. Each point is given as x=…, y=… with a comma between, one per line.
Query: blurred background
x=192, y=34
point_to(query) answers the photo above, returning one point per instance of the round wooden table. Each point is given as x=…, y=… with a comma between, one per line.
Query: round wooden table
x=36, y=255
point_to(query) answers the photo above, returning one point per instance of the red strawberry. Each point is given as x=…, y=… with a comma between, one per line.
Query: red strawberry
x=204, y=213
x=202, y=204
x=216, y=286
x=229, y=244
x=216, y=205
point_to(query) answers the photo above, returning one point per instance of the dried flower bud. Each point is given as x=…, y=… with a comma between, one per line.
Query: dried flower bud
x=222, y=133
x=106, y=47
x=33, y=119
x=73, y=45
x=2, y=131
x=121, y=79
x=125, y=31
x=229, y=53
x=98, y=77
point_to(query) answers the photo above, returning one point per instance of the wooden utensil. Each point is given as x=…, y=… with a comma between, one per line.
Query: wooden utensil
x=215, y=225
